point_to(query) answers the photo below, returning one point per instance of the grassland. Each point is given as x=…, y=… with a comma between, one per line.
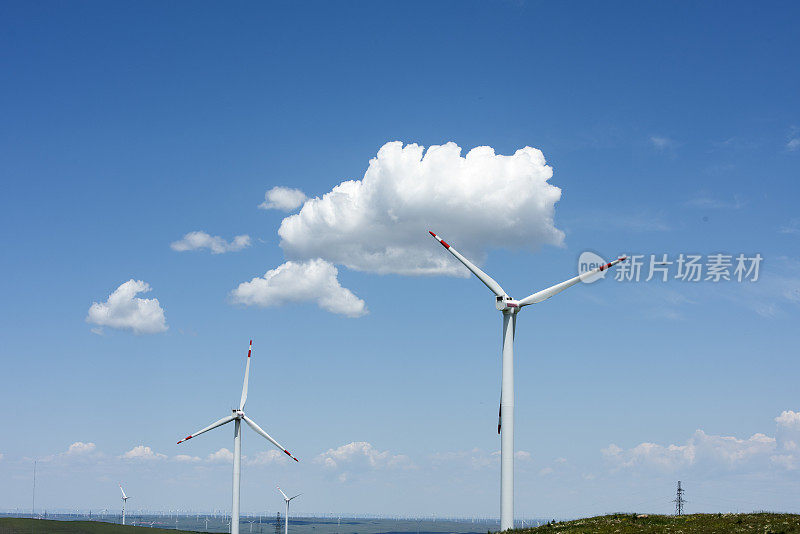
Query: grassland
x=13, y=525
x=765, y=523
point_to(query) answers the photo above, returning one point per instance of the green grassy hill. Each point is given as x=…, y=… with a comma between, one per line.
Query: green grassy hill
x=14, y=525
x=765, y=523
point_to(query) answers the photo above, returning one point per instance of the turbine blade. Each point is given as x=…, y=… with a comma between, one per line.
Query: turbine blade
x=282, y=493
x=124, y=497
x=558, y=288
x=500, y=417
x=246, y=377
x=258, y=430
x=296, y=496
x=210, y=427
x=482, y=276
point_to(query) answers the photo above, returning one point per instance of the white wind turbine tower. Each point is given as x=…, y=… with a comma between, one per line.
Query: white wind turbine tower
x=124, y=500
x=288, y=500
x=237, y=417
x=505, y=425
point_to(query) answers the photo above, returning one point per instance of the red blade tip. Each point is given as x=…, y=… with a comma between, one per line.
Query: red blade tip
x=440, y=240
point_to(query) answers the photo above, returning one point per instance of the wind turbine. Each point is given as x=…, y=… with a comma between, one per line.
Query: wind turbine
x=288, y=500
x=124, y=500
x=237, y=417
x=505, y=424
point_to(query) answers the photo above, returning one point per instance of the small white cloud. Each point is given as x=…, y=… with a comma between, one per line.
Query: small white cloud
x=222, y=455
x=793, y=144
x=80, y=447
x=186, y=458
x=1, y=456
x=661, y=142
x=308, y=281
x=141, y=452
x=123, y=310
x=361, y=456
x=268, y=457
x=789, y=462
x=522, y=456
x=701, y=449
x=789, y=419
x=283, y=198
x=76, y=451
x=199, y=240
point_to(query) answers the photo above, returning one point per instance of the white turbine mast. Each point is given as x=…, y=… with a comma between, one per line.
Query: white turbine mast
x=237, y=417
x=505, y=425
x=287, y=500
x=124, y=500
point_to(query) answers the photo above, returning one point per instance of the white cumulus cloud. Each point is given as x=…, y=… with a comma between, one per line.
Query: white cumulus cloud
x=361, y=456
x=186, y=458
x=789, y=419
x=268, y=457
x=703, y=450
x=78, y=451
x=790, y=462
x=217, y=245
x=79, y=447
x=307, y=281
x=222, y=455
x=283, y=198
x=142, y=452
x=123, y=310
x=380, y=223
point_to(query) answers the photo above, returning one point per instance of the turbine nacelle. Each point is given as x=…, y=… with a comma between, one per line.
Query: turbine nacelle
x=237, y=413
x=503, y=303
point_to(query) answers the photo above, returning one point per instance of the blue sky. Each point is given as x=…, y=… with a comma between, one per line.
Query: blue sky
x=669, y=129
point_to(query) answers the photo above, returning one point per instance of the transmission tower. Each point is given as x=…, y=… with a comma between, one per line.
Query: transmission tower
x=679, y=500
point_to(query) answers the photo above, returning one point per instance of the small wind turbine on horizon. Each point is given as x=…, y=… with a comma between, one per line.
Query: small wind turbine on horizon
x=288, y=500
x=124, y=500
x=237, y=417
x=505, y=424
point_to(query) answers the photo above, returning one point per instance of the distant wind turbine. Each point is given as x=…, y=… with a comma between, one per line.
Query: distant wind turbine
x=237, y=417
x=505, y=425
x=124, y=500
x=288, y=500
